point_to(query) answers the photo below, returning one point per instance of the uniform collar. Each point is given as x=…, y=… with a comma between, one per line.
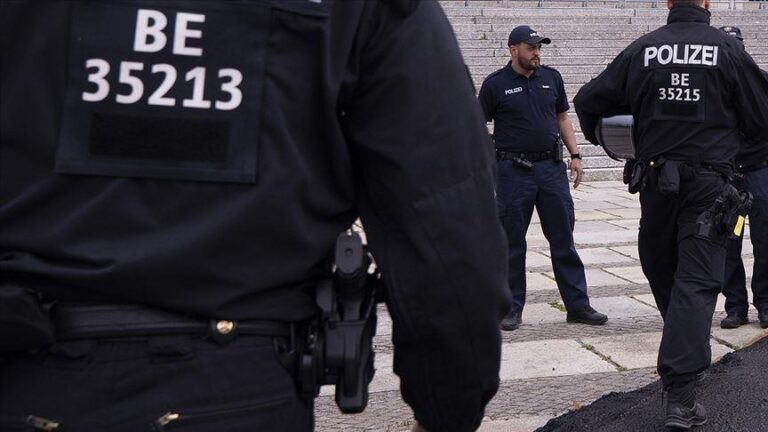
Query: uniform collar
x=688, y=13
x=516, y=75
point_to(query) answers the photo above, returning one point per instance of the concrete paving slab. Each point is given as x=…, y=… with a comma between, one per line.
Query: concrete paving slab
x=587, y=214
x=747, y=248
x=622, y=307
x=742, y=336
x=630, y=224
x=601, y=255
x=633, y=273
x=537, y=259
x=647, y=299
x=556, y=357
x=605, y=184
x=624, y=213
x=597, y=277
x=623, y=202
x=749, y=266
x=383, y=323
x=540, y=282
x=630, y=251
x=593, y=227
x=519, y=424
x=613, y=236
x=631, y=351
x=541, y=313
x=636, y=351
x=593, y=203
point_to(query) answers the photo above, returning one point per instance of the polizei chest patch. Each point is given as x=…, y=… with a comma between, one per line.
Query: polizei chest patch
x=164, y=90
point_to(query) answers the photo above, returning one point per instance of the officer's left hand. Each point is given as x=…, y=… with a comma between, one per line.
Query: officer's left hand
x=576, y=171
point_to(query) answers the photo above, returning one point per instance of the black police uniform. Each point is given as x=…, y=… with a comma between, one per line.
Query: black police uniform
x=692, y=91
x=524, y=113
x=752, y=165
x=199, y=158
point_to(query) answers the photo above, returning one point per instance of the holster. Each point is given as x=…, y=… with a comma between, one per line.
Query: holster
x=339, y=345
x=25, y=323
x=558, y=150
x=725, y=217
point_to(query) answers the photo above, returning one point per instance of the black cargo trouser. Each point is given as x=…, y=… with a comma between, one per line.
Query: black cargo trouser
x=162, y=383
x=685, y=272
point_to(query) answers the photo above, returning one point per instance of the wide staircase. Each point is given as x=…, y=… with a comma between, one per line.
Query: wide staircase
x=586, y=36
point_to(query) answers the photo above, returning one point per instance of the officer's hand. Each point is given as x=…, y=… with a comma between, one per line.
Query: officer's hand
x=418, y=428
x=576, y=171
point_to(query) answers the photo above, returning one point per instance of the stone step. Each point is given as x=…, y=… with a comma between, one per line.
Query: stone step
x=551, y=51
x=751, y=30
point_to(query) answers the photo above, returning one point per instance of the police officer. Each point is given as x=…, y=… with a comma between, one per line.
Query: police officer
x=693, y=91
x=752, y=168
x=174, y=175
x=529, y=109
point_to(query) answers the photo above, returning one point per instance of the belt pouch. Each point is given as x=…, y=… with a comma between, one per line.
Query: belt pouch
x=669, y=177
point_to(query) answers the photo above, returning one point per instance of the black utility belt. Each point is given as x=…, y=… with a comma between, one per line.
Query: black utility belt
x=530, y=156
x=748, y=168
x=121, y=321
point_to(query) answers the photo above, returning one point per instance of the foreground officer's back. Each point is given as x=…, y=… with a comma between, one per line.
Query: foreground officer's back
x=200, y=158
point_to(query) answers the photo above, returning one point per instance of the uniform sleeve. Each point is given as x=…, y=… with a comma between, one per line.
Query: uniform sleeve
x=561, y=105
x=604, y=95
x=426, y=199
x=487, y=100
x=749, y=90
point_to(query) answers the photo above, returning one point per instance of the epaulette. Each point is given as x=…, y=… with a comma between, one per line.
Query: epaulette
x=550, y=68
x=493, y=74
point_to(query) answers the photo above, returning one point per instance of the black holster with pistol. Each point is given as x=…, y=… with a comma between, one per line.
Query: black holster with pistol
x=339, y=343
x=725, y=217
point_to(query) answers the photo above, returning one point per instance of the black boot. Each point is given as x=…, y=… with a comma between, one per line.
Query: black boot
x=734, y=320
x=680, y=407
x=512, y=320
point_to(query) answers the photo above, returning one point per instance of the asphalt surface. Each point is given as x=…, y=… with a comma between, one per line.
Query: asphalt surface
x=734, y=392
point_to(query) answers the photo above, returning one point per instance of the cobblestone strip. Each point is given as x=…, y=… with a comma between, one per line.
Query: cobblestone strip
x=548, y=296
x=615, y=327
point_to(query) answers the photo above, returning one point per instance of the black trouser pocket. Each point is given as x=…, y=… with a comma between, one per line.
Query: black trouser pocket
x=285, y=414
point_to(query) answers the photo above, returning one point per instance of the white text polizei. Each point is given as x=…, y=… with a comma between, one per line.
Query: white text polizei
x=688, y=54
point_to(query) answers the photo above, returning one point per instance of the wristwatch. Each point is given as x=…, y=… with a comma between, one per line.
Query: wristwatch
x=576, y=156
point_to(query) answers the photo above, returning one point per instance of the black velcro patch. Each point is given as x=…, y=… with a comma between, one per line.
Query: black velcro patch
x=156, y=138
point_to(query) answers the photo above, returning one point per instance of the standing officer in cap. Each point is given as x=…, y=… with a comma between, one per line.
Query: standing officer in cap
x=529, y=109
x=693, y=91
x=752, y=176
x=173, y=176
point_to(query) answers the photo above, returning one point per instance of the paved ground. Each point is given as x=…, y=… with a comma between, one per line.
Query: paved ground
x=735, y=393
x=550, y=367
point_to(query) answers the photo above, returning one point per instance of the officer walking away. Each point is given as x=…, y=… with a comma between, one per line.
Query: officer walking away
x=173, y=177
x=692, y=91
x=751, y=176
x=529, y=108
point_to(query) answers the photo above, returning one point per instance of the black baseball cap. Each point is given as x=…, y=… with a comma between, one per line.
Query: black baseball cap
x=526, y=34
x=733, y=31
